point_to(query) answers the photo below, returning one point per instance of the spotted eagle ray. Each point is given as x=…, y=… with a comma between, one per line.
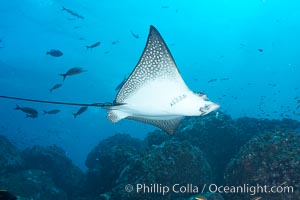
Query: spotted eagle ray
x=154, y=93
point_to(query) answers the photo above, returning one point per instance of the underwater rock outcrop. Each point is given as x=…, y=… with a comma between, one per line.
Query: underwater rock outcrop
x=220, y=138
x=167, y=164
x=271, y=159
x=156, y=137
x=106, y=161
x=249, y=127
x=10, y=158
x=32, y=184
x=54, y=161
x=253, y=151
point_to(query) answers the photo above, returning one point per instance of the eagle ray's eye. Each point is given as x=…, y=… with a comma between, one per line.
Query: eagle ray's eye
x=204, y=109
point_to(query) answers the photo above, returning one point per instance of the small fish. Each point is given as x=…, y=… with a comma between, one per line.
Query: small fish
x=212, y=80
x=260, y=50
x=298, y=107
x=56, y=86
x=5, y=195
x=217, y=115
x=165, y=7
x=51, y=112
x=242, y=45
x=297, y=114
x=1, y=46
x=54, y=53
x=283, y=183
x=93, y=45
x=27, y=110
x=257, y=198
x=200, y=198
x=134, y=35
x=80, y=111
x=121, y=84
x=72, y=71
x=72, y=13
x=115, y=42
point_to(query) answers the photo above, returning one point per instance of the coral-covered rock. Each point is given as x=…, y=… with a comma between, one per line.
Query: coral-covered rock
x=54, y=161
x=10, y=159
x=106, y=161
x=166, y=164
x=218, y=138
x=156, y=138
x=270, y=159
x=249, y=127
x=32, y=184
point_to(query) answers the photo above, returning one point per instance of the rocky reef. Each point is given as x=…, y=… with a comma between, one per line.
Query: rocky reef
x=107, y=160
x=218, y=138
x=10, y=158
x=32, y=184
x=39, y=173
x=53, y=161
x=204, y=150
x=169, y=163
x=221, y=138
x=270, y=159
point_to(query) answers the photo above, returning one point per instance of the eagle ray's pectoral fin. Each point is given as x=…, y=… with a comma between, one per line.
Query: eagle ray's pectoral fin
x=168, y=125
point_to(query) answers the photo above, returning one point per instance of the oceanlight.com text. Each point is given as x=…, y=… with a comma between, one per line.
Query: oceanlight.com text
x=250, y=189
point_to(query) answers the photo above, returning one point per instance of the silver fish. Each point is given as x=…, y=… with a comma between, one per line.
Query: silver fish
x=80, y=111
x=54, y=53
x=73, y=71
x=56, y=86
x=72, y=13
x=134, y=34
x=29, y=111
x=93, y=45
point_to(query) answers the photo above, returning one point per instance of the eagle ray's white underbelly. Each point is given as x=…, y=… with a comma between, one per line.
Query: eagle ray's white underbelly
x=154, y=100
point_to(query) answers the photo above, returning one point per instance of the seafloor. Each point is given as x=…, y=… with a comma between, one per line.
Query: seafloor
x=204, y=150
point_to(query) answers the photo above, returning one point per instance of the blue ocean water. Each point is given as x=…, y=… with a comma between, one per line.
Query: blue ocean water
x=242, y=54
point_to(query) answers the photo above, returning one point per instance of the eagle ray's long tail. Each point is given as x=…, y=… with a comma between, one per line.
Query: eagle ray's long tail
x=102, y=105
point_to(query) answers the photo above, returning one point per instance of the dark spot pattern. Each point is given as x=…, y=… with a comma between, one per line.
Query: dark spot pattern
x=168, y=125
x=155, y=63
